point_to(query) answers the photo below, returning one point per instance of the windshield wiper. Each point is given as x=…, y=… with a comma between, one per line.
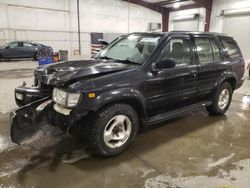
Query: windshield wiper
x=105, y=57
x=127, y=61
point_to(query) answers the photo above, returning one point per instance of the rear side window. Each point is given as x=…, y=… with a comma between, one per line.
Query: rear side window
x=207, y=49
x=230, y=47
x=204, y=50
x=25, y=44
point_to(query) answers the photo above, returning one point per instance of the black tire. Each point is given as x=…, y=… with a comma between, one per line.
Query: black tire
x=100, y=123
x=35, y=57
x=214, y=109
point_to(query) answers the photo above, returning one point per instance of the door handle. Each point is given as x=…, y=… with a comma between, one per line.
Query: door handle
x=194, y=73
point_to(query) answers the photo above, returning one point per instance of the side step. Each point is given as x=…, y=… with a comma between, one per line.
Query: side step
x=177, y=112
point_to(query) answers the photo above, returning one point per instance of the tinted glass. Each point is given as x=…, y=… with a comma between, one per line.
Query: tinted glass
x=13, y=45
x=216, y=50
x=25, y=44
x=231, y=47
x=177, y=49
x=204, y=50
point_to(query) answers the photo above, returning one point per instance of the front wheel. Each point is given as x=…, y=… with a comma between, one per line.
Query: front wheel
x=113, y=130
x=222, y=100
x=35, y=58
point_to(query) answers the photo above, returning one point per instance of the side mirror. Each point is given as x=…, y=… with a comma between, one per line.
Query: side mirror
x=103, y=42
x=164, y=64
x=7, y=47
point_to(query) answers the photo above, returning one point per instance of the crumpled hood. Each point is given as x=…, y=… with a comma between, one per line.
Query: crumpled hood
x=60, y=73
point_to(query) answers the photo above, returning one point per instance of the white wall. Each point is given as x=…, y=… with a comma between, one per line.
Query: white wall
x=54, y=22
x=183, y=13
x=218, y=5
x=236, y=26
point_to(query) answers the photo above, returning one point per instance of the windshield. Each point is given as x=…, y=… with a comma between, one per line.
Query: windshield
x=135, y=48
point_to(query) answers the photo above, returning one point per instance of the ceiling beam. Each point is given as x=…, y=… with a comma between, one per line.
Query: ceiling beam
x=148, y=5
x=165, y=20
x=207, y=4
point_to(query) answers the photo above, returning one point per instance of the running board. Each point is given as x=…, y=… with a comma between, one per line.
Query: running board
x=177, y=112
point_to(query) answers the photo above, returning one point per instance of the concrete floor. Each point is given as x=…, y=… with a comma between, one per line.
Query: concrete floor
x=193, y=151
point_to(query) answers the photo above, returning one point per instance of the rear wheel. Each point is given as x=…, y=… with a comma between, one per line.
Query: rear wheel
x=113, y=130
x=222, y=100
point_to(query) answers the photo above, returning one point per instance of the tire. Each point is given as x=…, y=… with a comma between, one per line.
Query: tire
x=35, y=57
x=220, y=105
x=108, y=121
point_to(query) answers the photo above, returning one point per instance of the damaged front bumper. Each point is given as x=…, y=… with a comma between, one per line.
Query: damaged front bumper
x=29, y=120
x=25, y=121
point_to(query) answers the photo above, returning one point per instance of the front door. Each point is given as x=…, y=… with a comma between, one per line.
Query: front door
x=11, y=51
x=171, y=88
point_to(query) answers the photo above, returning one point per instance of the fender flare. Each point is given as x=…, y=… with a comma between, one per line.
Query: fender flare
x=225, y=76
x=119, y=95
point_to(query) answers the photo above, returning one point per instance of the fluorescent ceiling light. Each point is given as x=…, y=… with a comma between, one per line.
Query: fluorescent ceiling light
x=176, y=5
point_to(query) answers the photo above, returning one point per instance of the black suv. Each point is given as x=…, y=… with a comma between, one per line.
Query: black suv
x=138, y=80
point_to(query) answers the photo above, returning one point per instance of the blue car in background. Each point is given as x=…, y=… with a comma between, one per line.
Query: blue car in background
x=20, y=49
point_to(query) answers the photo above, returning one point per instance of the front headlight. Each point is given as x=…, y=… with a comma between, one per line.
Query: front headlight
x=66, y=99
x=73, y=99
x=19, y=96
x=59, y=96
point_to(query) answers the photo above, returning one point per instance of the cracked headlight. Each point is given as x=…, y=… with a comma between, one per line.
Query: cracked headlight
x=66, y=99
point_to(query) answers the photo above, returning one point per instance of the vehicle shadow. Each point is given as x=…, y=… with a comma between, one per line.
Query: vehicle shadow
x=16, y=73
x=16, y=60
x=53, y=155
x=145, y=142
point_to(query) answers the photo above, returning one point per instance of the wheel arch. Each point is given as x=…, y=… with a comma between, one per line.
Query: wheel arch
x=229, y=77
x=231, y=81
x=126, y=96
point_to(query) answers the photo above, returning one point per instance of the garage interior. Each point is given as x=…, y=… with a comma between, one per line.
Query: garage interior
x=192, y=151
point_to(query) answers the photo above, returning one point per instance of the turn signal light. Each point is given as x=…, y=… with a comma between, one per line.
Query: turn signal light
x=91, y=95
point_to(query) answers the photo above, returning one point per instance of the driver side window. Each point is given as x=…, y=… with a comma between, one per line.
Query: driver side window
x=177, y=49
x=13, y=45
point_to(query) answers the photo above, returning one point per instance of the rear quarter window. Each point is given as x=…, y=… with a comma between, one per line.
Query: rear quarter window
x=231, y=47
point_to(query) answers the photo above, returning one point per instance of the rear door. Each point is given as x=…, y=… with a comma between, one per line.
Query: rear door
x=169, y=88
x=211, y=63
x=28, y=50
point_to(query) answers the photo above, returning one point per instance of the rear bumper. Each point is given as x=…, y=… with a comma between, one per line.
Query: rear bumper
x=239, y=83
x=29, y=94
